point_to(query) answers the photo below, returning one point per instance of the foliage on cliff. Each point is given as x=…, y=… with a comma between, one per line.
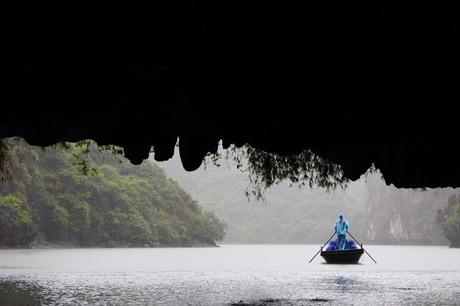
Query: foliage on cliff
x=449, y=219
x=50, y=197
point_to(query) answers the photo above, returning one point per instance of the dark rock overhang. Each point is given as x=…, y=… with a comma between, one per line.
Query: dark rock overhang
x=357, y=83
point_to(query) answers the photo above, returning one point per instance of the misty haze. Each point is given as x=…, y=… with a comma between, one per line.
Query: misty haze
x=378, y=214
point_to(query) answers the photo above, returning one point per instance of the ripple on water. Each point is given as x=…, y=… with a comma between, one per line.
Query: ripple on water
x=270, y=288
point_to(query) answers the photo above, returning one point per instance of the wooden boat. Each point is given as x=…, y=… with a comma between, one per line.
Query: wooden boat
x=350, y=255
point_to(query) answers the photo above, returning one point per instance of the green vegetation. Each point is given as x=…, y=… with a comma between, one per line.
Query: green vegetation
x=264, y=169
x=95, y=199
x=87, y=194
x=449, y=219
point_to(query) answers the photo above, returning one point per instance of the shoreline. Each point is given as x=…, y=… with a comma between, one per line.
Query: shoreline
x=113, y=244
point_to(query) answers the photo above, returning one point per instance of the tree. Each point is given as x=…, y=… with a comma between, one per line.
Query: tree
x=450, y=221
x=264, y=169
x=120, y=204
x=15, y=222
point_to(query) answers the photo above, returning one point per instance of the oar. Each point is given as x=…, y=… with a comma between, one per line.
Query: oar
x=361, y=246
x=322, y=247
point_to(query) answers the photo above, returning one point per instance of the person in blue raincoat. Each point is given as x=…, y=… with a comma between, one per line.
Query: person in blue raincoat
x=341, y=228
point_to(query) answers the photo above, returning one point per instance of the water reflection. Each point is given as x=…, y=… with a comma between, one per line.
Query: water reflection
x=19, y=293
x=342, y=283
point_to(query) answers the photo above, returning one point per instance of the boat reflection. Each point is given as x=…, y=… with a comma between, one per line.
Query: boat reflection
x=342, y=283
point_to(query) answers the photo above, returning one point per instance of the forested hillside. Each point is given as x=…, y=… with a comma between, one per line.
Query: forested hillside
x=449, y=219
x=377, y=213
x=48, y=200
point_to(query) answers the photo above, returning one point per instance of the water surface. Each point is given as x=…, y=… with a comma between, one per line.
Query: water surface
x=229, y=275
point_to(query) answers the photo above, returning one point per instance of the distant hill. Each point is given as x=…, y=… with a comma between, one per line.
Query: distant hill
x=377, y=213
x=48, y=201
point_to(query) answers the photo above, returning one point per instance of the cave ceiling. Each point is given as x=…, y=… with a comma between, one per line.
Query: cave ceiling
x=360, y=84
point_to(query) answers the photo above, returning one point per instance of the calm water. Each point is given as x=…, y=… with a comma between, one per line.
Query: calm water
x=269, y=275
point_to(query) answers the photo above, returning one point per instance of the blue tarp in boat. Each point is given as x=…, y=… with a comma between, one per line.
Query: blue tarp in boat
x=333, y=245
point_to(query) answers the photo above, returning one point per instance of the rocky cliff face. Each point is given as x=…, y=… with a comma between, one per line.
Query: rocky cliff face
x=406, y=216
